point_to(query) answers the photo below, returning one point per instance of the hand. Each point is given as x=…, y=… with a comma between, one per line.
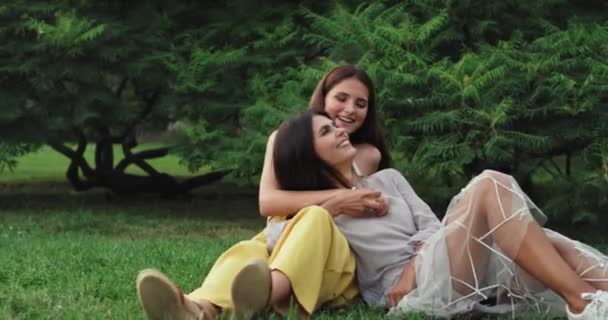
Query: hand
x=357, y=203
x=405, y=284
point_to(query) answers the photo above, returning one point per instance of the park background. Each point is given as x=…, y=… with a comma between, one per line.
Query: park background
x=132, y=133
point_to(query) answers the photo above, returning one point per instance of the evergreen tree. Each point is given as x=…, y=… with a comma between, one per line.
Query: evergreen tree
x=90, y=71
x=520, y=98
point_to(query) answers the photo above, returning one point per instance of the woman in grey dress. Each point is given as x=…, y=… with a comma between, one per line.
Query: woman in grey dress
x=489, y=246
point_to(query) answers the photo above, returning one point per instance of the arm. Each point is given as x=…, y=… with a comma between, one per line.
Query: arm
x=406, y=282
x=426, y=221
x=276, y=202
x=404, y=285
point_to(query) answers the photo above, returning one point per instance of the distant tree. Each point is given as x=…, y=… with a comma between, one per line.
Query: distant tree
x=90, y=72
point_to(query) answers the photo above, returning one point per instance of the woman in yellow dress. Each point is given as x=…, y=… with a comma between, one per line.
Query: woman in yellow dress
x=308, y=258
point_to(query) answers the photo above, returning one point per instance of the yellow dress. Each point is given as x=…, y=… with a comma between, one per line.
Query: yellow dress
x=311, y=252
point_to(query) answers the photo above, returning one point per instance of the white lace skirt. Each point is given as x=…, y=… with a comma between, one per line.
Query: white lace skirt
x=469, y=263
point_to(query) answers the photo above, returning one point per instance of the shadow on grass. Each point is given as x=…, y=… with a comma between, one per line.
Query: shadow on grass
x=216, y=200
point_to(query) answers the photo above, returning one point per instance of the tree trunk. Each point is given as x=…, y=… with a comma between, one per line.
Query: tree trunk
x=115, y=179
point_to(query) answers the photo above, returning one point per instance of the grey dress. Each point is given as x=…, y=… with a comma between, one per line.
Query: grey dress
x=382, y=245
x=491, y=284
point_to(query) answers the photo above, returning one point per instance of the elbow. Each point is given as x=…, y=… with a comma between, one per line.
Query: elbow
x=265, y=211
x=266, y=207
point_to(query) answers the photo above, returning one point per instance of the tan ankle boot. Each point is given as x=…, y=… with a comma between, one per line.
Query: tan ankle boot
x=161, y=299
x=251, y=289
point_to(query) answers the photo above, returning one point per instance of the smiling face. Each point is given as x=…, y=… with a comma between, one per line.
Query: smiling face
x=331, y=143
x=347, y=104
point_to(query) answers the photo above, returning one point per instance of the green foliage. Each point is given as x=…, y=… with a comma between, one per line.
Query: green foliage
x=462, y=86
x=10, y=151
x=74, y=68
x=467, y=86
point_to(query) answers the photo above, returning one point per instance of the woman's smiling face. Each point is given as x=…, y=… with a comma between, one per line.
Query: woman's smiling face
x=347, y=104
x=331, y=143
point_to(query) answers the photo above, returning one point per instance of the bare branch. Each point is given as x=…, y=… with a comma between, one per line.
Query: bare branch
x=150, y=103
x=126, y=149
x=82, y=141
x=556, y=167
x=140, y=156
x=203, y=179
x=75, y=157
x=74, y=178
x=122, y=86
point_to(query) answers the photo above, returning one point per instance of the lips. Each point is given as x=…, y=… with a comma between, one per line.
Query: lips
x=346, y=120
x=343, y=143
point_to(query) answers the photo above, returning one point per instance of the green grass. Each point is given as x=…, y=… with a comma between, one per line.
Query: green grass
x=81, y=263
x=67, y=255
x=48, y=165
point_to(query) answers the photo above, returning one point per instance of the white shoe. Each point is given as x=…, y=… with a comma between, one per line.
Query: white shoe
x=251, y=289
x=597, y=309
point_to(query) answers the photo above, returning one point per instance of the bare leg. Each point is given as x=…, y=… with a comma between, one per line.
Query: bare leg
x=281, y=293
x=592, y=271
x=540, y=259
x=484, y=215
x=281, y=288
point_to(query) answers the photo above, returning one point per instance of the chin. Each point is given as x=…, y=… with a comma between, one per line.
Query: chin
x=350, y=129
x=352, y=152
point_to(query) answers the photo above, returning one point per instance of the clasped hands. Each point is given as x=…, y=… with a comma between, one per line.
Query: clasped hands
x=359, y=203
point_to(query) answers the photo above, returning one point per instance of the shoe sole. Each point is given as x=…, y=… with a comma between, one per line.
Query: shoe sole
x=251, y=289
x=160, y=298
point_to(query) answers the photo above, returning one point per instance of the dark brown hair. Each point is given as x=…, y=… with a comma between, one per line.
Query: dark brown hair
x=297, y=165
x=370, y=131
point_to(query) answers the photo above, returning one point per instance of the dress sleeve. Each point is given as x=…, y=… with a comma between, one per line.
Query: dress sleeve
x=426, y=221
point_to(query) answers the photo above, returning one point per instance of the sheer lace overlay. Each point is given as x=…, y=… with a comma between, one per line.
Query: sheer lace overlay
x=469, y=263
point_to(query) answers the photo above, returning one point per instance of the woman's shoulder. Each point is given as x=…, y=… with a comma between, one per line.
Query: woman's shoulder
x=387, y=175
x=388, y=172
x=368, y=158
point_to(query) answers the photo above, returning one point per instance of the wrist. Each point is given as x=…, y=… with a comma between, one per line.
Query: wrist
x=332, y=208
x=409, y=267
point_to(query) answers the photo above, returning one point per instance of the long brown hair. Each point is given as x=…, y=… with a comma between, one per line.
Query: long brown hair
x=297, y=165
x=370, y=131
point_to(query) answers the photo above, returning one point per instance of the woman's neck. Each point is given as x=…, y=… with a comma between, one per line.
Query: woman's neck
x=348, y=172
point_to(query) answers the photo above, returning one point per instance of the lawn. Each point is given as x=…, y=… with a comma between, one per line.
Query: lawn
x=66, y=255
x=80, y=262
x=48, y=165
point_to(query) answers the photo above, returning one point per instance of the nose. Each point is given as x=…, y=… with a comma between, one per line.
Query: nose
x=349, y=107
x=340, y=132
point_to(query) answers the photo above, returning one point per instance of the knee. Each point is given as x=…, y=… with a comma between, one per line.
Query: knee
x=315, y=215
x=496, y=176
x=489, y=180
x=248, y=247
